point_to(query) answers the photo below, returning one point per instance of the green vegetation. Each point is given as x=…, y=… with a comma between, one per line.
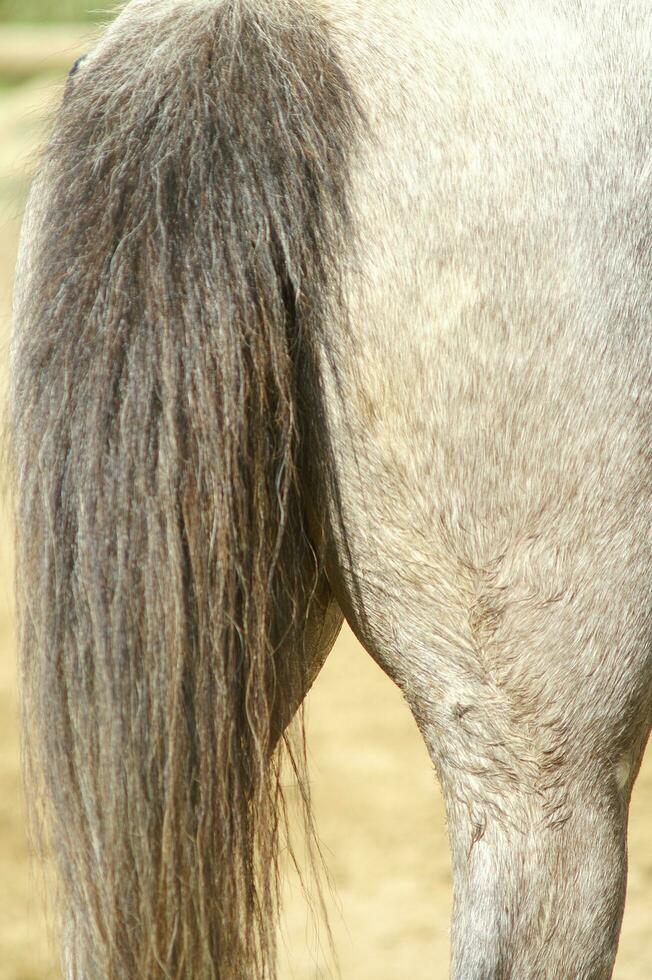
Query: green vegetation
x=52, y=11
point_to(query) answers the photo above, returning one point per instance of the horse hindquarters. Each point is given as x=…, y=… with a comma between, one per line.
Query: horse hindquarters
x=490, y=418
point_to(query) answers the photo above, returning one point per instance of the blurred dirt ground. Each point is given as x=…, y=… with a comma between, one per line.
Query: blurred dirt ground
x=379, y=813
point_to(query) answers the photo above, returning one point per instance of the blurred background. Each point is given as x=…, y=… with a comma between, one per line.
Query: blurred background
x=379, y=813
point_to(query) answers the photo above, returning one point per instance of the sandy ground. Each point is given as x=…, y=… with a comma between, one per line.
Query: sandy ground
x=379, y=812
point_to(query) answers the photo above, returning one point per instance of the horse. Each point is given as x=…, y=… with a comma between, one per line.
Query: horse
x=325, y=309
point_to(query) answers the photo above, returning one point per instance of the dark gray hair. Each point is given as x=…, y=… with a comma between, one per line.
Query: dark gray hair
x=192, y=209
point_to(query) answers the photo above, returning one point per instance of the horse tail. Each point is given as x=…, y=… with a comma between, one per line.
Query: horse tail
x=182, y=239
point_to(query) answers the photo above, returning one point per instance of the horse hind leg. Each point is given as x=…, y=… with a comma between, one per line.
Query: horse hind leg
x=538, y=849
x=534, y=704
x=537, y=765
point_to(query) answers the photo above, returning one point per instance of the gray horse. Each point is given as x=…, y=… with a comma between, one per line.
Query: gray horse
x=325, y=308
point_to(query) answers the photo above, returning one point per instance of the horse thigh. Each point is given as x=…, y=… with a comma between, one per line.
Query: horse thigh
x=529, y=678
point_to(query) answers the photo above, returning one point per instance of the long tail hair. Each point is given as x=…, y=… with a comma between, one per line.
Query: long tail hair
x=190, y=214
